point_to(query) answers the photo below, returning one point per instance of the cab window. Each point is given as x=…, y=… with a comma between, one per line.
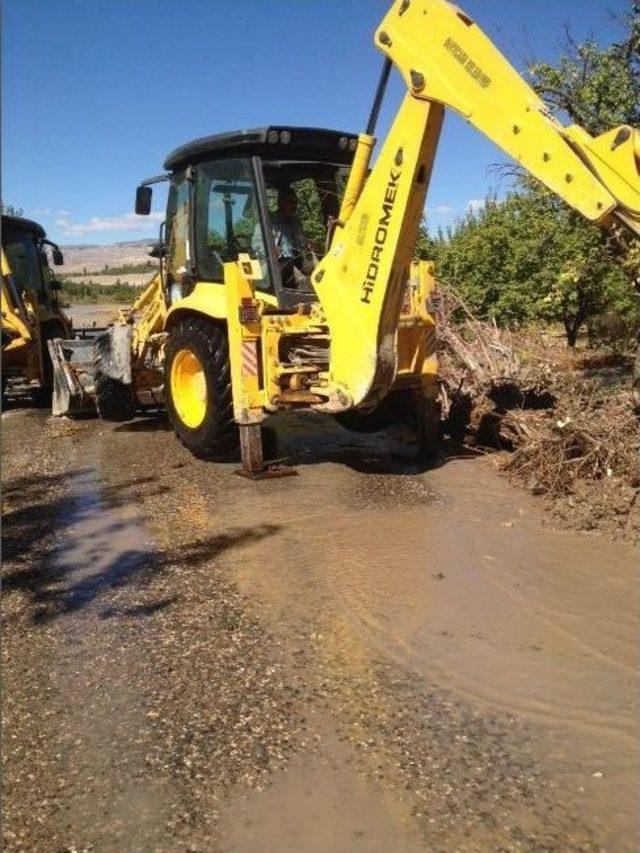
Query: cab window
x=24, y=257
x=302, y=197
x=227, y=219
x=177, y=236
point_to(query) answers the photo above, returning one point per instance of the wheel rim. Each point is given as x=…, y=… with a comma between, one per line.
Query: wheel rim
x=189, y=388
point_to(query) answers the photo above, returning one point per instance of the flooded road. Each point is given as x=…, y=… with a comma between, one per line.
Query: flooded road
x=365, y=657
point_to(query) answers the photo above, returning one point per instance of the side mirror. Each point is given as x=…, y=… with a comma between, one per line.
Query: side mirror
x=56, y=254
x=156, y=250
x=143, y=200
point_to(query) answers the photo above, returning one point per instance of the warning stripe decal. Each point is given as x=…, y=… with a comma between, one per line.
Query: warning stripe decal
x=249, y=358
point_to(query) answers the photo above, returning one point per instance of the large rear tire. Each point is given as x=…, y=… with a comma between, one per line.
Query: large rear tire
x=198, y=388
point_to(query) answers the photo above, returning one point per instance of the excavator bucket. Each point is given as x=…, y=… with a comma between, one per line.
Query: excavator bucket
x=80, y=362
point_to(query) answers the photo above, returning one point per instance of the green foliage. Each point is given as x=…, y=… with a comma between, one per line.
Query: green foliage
x=131, y=269
x=310, y=210
x=82, y=292
x=427, y=248
x=125, y=269
x=597, y=88
x=529, y=257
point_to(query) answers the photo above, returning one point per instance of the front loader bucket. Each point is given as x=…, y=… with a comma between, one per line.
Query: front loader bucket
x=73, y=376
x=78, y=364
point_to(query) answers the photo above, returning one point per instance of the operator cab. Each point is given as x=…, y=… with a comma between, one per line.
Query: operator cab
x=24, y=243
x=270, y=193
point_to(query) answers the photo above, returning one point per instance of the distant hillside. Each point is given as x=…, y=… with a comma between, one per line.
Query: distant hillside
x=93, y=259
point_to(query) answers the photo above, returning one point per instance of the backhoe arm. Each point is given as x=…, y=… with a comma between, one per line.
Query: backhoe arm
x=444, y=56
x=446, y=61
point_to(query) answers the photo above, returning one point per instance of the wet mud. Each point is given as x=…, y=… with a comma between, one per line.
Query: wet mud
x=368, y=656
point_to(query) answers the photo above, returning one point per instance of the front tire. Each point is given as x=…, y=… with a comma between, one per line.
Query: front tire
x=198, y=388
x=114, y=399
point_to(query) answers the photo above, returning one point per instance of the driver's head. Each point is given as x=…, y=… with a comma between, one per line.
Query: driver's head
x=287, y=202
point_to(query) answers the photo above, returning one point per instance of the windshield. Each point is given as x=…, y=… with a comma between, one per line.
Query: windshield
x=24, y=257
x=317, y=189
x=301, y=199
x=227, y=220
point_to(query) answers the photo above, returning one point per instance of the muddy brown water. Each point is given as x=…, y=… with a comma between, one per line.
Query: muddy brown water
x=364, y=657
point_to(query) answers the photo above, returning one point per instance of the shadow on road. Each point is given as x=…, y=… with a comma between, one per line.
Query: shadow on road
x=156, y=422
x=66, y=550
x=311, y=439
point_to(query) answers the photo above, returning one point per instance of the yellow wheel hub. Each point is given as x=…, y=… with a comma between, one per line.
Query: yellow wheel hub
x=189, y=388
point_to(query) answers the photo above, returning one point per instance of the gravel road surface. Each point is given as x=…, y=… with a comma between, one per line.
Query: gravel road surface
x=364, y=657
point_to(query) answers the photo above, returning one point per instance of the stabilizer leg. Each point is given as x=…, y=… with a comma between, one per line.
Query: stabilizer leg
x=253, y=467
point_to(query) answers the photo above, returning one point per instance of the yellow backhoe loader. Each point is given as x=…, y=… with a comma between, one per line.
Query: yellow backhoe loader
x=287, y=272
x=31, y=314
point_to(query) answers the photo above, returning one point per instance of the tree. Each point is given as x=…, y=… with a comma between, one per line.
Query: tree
x=427, y=248
x=10, y=209
x=596, y=88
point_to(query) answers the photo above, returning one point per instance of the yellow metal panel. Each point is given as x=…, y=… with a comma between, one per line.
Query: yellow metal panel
x=244, y=341
x=205, y=298
x=357, y=175
x=208, y=298
x=417, y=332
x=361, y=282
x=13, y=315
x=615, y=158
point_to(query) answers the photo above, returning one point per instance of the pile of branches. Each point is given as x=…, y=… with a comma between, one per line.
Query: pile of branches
x=564, y=436
x=483, y=376
x=474, y=356
x=587, y=435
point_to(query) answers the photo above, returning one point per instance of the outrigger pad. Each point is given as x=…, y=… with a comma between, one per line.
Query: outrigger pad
x=269, y=472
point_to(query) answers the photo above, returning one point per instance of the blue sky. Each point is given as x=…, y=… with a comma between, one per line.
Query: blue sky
x=97, y=92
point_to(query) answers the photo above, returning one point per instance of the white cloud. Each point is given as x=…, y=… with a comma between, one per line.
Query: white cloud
x=40, y=211
x=475, y=204
x=440, y=209
x=64, y=213
x=126, y=222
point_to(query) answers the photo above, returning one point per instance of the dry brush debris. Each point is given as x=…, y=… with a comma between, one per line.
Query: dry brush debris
x=565, y=422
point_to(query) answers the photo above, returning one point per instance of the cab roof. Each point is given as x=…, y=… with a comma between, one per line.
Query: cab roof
x=25, y=224
x=270, y=143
